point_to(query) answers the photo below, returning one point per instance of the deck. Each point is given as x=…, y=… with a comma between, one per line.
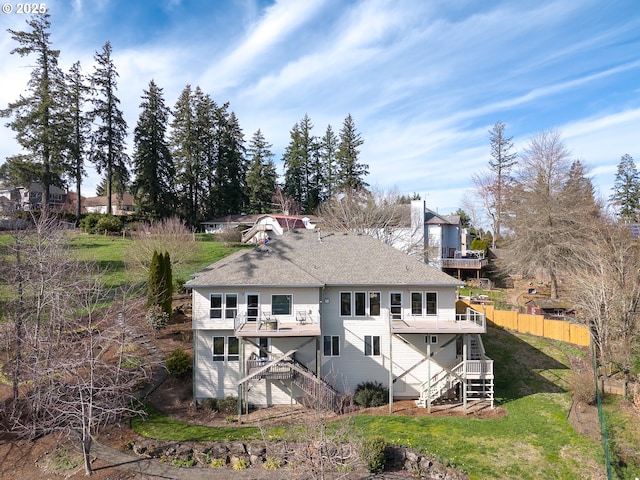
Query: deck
x=277, y=328
x=469, y=322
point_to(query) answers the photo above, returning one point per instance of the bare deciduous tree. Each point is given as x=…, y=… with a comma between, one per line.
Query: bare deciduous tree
x=70, y=370
x=168, y=235
x=548, y=228
x=606, y=288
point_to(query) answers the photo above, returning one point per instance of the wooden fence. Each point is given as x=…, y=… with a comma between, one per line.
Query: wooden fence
x=561, y=330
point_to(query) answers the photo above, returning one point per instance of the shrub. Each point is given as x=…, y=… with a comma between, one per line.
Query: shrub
x=228, y=405
x=210, y=404
x=89, y=222
x=109, y=223
x=218, y=462
x=582, y=383
x=178, y=363
x=372, y=453
x=272, y=463
x=156, y=318
x=241, y=464
x=370, y=394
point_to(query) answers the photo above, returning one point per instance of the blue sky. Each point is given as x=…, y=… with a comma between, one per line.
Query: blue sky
x=423, y=80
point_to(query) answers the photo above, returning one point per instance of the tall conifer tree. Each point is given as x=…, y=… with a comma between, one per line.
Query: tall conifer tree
x=626, y=190
x=262, y=176
x=351, y=171
x=153, y=164
x=108, y=139
x=39, y=119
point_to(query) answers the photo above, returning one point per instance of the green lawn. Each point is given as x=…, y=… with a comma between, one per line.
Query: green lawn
x=533, y=441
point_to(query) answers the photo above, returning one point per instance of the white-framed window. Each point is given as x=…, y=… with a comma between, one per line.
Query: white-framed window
x=431, y=339
x=281, y=304
x=231, y=305
x=395, y=305
x=374, y=304
x=215, y=306
x=345, y=304
x=359, y=304
x=219, y=309
x=431, y=303
x=372, y=345
x=416, y=303
x=331, y=345
x=226, y=349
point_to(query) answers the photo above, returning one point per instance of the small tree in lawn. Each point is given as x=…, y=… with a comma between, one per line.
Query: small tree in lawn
x=154, y=286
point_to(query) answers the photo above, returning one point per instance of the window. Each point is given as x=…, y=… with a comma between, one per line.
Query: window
x=233, y=349
x=265, y=348
x=371, y=345
x=331, y=346
x=416, y=303
x=432, y=303
x=396, y=306
x=432, y=339
x=215, y=309
x=218, y=349
x=231, y=305
x=360, y=304
x=232, y=345
x=345, y=304
x=281, y=304
x=374, y=304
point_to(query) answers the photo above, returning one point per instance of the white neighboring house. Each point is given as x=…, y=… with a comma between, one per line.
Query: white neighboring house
x=312, y=316
x=121, y=204
x=270, y=224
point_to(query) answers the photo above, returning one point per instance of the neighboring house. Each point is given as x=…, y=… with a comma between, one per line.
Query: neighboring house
x=311, y=315
x=271, y=224
x=268, y=222
x=550, y=308
x=9, y=199
x=442, y=242
x=121, y=204
x=31, y=198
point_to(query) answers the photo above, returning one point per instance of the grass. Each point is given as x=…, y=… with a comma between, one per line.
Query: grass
x=533, y=441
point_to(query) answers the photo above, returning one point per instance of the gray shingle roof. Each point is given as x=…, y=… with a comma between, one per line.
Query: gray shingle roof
x=299, y=258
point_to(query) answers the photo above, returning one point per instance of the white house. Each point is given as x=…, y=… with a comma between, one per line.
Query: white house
x=313, y=314
x=121, y=204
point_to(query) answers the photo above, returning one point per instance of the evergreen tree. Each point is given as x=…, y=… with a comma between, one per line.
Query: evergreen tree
x=155, y=281
x=77, y=95
x=206, y=122
x=230, y=175
x=626, y=190
x=186, y=154
x=298, y=164
x=503, y=161
x=39, y=118
x=579, y=194
x=351, y=172
x=167, y=284
x=108, y=139
x=261, y=176
x=328, y=156
x=153, y=164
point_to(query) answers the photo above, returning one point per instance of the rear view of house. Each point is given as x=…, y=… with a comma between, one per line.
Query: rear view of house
x=313, y=314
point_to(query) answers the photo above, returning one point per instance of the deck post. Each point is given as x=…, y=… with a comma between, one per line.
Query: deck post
x=464, y=371
x=390, y=371
x=242, y=371
x=429, y=377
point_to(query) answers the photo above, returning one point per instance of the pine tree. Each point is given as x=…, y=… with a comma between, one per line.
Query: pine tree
x=626, y=190
x=579, y=193
x=77, y=95
x=230, y=178
x=298, y=164
x=108, y=139
x=39, y=118
x=153, y=164
x=501, y=165
x=351, y=172
x=186, y=154
x=261, y=176
x=206, y=122
x=328, y=156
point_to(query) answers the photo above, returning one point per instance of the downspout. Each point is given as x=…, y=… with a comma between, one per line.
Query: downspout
x=390, y=368
x=241, y=371
x=429, y=378
x=464, y=372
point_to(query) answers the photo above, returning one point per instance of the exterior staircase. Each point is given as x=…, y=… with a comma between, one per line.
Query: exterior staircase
x=478, y=378
x=319, y=391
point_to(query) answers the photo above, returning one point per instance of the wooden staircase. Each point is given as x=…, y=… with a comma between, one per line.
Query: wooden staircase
x=478, y=378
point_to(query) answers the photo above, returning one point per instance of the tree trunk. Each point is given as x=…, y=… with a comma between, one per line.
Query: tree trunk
x=86, y=450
